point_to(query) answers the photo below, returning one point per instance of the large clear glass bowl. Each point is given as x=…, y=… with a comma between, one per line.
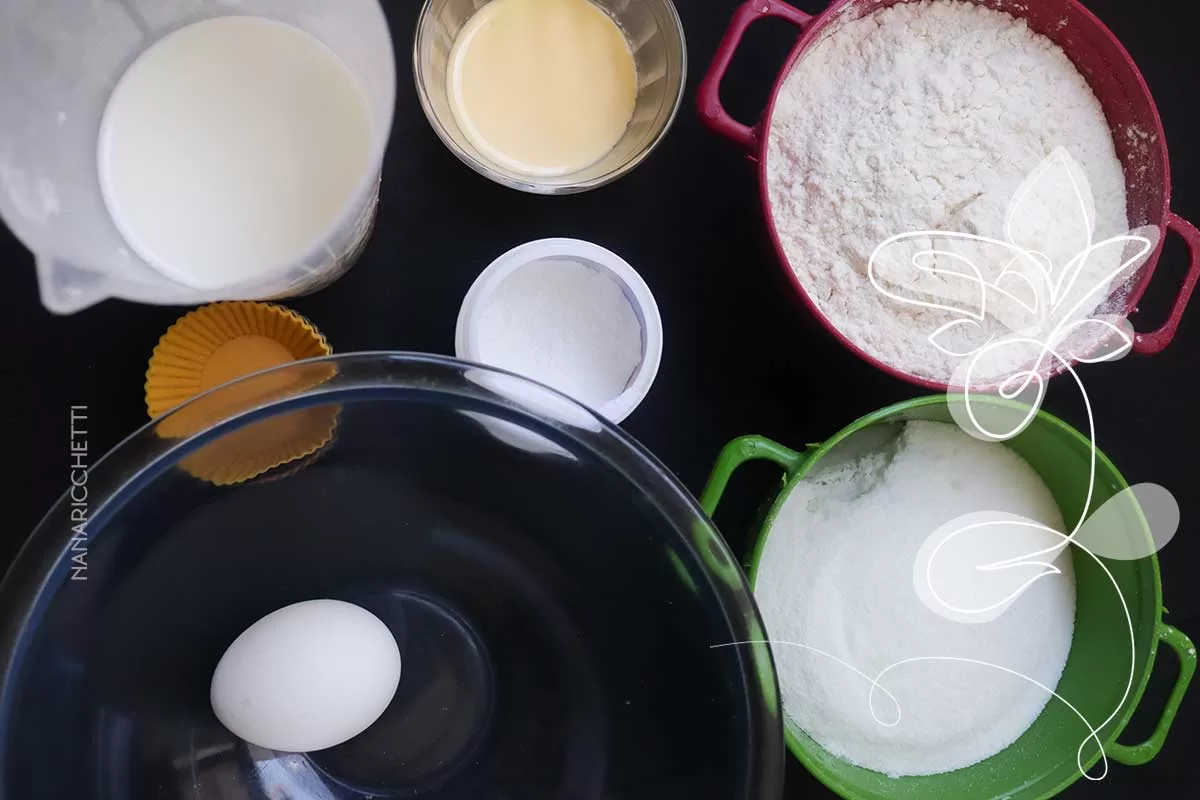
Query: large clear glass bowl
x=555, y=593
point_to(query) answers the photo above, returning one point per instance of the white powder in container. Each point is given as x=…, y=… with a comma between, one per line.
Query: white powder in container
x=926, y=116
x=836, y=576
x=564, y=324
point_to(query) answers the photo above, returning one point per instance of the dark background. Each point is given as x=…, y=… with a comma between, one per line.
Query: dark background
x=740, y=357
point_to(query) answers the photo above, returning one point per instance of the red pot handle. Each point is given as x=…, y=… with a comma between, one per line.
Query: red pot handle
x=708, y=96
x=1157, y=341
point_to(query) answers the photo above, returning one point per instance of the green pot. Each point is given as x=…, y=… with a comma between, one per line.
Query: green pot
x=1043, y=761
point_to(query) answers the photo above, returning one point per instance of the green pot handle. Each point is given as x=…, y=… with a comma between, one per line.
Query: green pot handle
x=1137, y=754
x=738, y=452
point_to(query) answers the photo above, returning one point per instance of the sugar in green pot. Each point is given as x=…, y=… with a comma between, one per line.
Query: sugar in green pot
x=1096, y=680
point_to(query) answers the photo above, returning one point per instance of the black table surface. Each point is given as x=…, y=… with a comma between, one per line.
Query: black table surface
x=739, y=355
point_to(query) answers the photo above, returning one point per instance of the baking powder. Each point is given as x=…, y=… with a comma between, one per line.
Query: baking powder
x=564, y=324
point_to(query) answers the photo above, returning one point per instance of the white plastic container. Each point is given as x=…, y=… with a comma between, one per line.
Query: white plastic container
x=59, y=62
x=633, y=288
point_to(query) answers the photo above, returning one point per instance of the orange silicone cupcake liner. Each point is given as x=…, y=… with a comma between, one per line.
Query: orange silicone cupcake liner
x=219, y=343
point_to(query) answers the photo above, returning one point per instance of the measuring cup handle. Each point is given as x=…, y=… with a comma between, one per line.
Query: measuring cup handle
x=708, y=96
x=738, y=452
x=1138, y=754
x=1157, y=341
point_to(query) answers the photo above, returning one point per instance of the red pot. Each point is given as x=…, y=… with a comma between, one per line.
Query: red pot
x=1096, y=53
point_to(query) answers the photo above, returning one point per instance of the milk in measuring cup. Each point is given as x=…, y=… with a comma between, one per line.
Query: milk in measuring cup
x=230, y=148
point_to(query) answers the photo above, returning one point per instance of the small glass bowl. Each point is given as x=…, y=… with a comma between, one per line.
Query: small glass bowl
x=656, y=36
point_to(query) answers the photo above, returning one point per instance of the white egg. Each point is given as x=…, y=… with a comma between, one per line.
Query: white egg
x=308, y=676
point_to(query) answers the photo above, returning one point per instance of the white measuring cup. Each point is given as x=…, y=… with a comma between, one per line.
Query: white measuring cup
x=59, y=62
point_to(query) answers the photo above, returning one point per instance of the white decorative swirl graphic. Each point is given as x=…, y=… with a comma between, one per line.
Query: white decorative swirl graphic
x=1049, y=323
x=1022, y=299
